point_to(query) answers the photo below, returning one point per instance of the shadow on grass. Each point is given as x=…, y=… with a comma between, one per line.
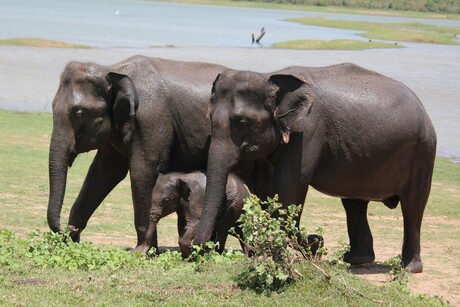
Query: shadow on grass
x=371, y=268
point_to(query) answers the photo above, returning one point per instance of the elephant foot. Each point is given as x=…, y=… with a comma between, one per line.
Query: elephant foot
x=355, y=258
x=142, y=249
x=414, y=266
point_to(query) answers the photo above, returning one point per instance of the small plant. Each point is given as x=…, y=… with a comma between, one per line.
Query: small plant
x=398, y=273
x=168, y=260
x=10, y=250
x=337, y=256
x=272, y=235
x=201, y=259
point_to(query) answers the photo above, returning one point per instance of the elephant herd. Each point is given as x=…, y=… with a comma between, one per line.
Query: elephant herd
x=344, y=130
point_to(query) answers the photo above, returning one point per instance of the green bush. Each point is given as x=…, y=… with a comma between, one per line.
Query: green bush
x=272, y=237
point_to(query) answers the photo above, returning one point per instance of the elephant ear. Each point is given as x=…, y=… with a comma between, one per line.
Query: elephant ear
x=184, y=189
x=124, y=104
x=213, y=96
x=292, y=102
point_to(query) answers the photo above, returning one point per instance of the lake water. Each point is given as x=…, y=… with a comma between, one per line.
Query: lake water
x=138, y=24
x=120, y=28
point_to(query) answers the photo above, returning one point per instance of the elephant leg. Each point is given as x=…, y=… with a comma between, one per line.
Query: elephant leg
x=413, y=202
x=146, y=162
x=359, y=233
x=108, y=168
x=411, y=259
x=141, y=189
x=292, y=174
x=151, y=233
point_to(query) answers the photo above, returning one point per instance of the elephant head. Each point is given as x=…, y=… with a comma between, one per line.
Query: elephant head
x=92, y=106
x=251, y=116
x=169, y=192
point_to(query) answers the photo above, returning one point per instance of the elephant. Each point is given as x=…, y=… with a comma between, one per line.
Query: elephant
x=183, y=193
x=347, y=131
x=145, y=115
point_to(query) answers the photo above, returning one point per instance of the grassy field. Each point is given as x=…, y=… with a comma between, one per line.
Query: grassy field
x=24, y=141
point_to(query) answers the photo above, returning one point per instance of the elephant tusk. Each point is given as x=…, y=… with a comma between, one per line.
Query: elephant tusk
x=73, y=230
x=285, y=137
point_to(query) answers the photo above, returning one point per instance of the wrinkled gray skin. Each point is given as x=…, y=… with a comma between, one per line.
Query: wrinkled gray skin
x=184, y=194
x=346, y=131
x=144, y=115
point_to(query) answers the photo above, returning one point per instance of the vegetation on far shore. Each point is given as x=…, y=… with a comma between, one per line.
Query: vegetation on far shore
x=393, y=32
x=433, y=6
x=396, y=32
x=39, y=42
x=103, y=273
x=295, y=5
x=336, y=44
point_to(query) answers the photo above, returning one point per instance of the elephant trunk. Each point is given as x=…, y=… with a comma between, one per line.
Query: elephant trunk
x=61, y=156
x=221, y=161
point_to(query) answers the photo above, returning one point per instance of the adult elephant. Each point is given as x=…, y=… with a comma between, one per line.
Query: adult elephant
x=346, y=131
x=145, y=115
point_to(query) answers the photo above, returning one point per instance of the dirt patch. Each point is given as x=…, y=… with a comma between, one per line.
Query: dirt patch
x=441, y=275
x=31, y=282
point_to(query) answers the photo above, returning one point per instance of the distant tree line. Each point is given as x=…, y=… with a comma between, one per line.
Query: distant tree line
x=437, y=6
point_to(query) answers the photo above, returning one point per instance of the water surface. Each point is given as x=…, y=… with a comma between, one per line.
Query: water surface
x=139, y=24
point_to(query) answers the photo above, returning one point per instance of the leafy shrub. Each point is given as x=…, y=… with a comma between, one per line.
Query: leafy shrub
x=272, y=237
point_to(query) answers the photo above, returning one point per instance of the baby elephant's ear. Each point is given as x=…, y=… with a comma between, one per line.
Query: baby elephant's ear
x=184, y=189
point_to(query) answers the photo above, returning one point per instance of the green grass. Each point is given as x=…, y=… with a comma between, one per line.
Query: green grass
x=39, y=42
x=395, y=32
x=185, y=286
x=111, y=276
x=24, y=141
x=337, y=44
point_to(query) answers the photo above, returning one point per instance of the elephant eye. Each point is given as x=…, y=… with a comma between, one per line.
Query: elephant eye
x=241, y=123
x=79, y=113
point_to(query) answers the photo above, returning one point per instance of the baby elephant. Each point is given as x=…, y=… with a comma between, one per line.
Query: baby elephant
x=184, y=194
